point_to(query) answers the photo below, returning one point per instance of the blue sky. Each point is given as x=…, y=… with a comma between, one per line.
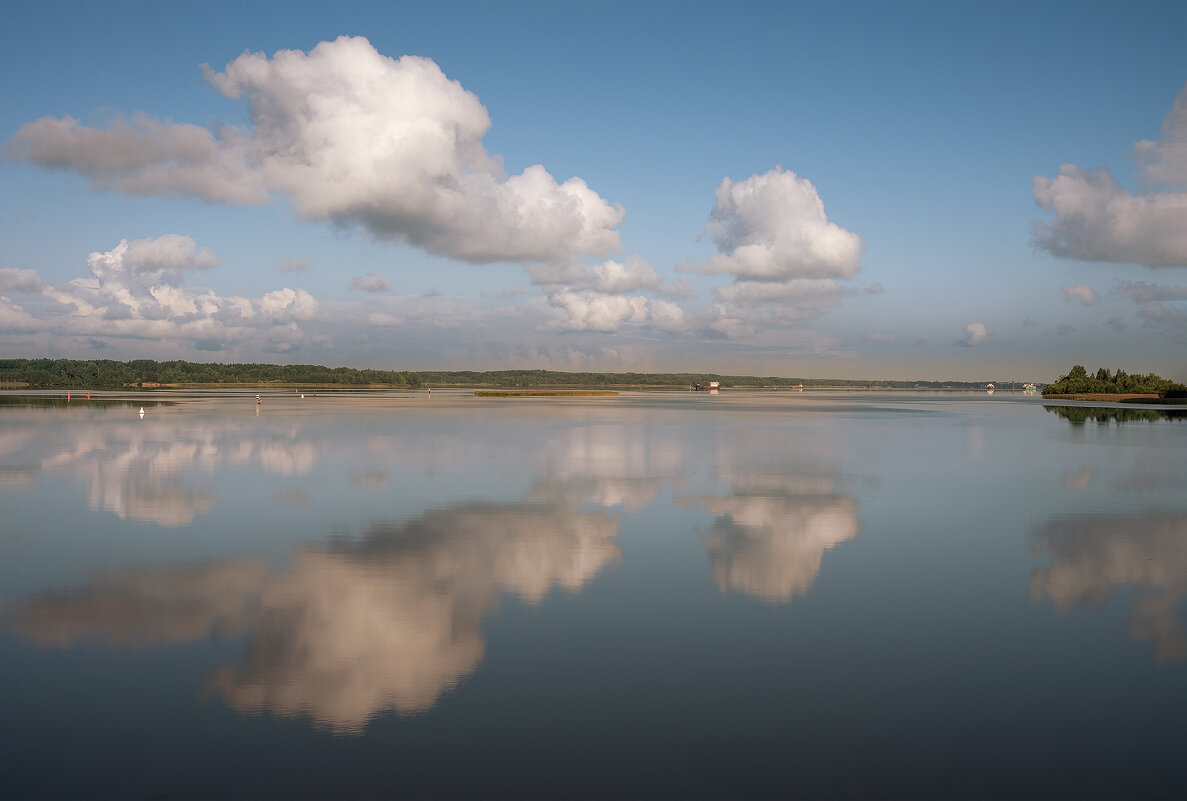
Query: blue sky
x=838, y=189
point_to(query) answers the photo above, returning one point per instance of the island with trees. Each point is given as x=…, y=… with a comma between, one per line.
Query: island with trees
x=1078, y=384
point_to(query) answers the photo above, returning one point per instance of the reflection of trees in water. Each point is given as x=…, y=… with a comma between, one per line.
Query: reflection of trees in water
x=77, y=402
x=1094, y=557
x=1079, y=415
x=771, y=532
x=387, y=622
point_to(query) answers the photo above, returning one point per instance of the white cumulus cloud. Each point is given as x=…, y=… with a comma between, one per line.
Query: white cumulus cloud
x=772, y=227
x=137, y=290
x=596, y=311
x=350, y=136
x=1080, y=292
x=286, y=305
x=975, y=334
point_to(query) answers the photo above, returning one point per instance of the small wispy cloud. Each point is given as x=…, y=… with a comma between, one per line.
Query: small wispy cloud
x=291, y=265
x=1141, y=292
x=370, y=283
x=383, y=320
x=513, y=291
x=1160, y=306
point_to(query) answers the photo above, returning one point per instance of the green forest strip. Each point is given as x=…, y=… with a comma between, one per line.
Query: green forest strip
x=543, y=393
x=74, y=374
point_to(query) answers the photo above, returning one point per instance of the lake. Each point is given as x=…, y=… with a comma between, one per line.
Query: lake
x=656, y=595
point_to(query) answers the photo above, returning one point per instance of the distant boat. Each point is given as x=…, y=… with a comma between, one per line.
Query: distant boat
x=797, y=388
x=712, y=386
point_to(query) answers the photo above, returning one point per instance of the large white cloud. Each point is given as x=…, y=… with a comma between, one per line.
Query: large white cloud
x=772, y=227
x=352, y=136
x=1096, y=219
x=785, y=257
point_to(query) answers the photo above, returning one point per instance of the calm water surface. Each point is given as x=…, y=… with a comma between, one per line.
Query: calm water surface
x=680, y=595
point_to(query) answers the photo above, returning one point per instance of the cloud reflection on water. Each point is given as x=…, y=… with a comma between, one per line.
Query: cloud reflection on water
x=386, y=622
x=772, y=530
x=1094, y=557
x=152, y=474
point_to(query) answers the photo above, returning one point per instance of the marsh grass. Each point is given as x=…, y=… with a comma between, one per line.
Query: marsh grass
x=536, y=393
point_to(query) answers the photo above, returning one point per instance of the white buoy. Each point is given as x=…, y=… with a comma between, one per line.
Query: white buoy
x=141, y=412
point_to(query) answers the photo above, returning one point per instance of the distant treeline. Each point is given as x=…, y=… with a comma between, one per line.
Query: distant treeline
x=1119, y=383
x=549, y=378
x=107, y=374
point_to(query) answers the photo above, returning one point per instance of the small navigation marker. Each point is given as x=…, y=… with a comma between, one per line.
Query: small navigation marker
x=141, y=412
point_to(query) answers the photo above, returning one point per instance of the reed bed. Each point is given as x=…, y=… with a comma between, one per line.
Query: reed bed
x=537, y=393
